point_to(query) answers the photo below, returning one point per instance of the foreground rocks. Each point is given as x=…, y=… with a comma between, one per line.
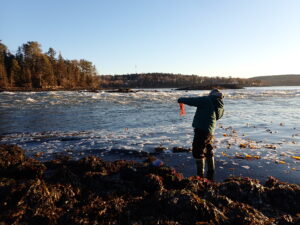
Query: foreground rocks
x=92, y=191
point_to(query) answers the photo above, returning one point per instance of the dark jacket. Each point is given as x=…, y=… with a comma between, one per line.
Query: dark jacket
x=209, y=110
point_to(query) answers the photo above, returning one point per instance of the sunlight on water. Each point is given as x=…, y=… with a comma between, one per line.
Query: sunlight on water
x=257, y=118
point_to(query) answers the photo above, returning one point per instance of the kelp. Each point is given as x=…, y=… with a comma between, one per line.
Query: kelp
x=93, y=191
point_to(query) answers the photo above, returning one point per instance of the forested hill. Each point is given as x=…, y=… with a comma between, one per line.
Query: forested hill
x=31, y=68
x=280, y=80
x=169, y=80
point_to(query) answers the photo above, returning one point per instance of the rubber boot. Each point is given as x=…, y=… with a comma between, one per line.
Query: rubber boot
x=200, y=164
x=210, y=167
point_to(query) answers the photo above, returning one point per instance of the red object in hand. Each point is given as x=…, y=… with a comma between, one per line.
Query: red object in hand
x=182, y=109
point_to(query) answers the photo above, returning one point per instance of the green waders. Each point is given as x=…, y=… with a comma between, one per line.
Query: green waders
x=200, y=166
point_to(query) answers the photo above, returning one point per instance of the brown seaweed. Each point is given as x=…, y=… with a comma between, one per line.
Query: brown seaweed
x=93, y=191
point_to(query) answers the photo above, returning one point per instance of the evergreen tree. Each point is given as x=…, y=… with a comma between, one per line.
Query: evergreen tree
x=61, y=71
x=15, y=72
x=3, y=69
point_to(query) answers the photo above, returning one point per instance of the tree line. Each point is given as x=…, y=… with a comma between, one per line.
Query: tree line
x=169, y=80
x=31, y=68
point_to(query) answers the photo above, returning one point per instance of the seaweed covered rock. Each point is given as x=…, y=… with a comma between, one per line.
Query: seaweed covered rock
x=181, y=206
x=91, y=163
x=30, y=168
x=92, y=191
x=108, y=186
x=96, y=210
x=188, y=207
x=245, y=190
x=13, y=163
x=11, y=155
x=241, y=213
x=6, y=187
x=197, y=185
x=31, y=202
x=64, y=176
x=169, y=177
x=283, y=196
x=96, y=164
x=152, y=183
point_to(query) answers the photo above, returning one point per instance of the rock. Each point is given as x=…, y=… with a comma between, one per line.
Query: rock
x=244, y=190
x=283, y=196
x=187, y=206
x=152, y=183
x=14, y=164
x=241, y=213
x=181, y=149
x=10, y=155
x=160, y=149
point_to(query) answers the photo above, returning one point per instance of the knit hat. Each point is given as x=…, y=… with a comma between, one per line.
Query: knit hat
x=216, y=92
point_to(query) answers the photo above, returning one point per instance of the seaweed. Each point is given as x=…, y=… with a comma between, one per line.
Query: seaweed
x=93, y=191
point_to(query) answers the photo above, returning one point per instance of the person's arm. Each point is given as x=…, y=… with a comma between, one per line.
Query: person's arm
x=220, y=113
x=194, y=101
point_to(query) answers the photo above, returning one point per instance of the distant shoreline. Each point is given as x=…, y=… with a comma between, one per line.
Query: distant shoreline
x=134, y=89
x=21, y=89
x=120, y=89
x=210, y=87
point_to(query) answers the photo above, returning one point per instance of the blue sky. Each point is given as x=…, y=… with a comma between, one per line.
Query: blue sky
x=239, y=38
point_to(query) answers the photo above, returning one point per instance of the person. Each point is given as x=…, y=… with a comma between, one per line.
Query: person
x=209, y=109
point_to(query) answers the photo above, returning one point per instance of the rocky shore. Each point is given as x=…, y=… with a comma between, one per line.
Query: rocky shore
x=93, y=191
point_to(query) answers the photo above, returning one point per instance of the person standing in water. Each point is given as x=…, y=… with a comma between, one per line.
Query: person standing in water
x=209, y=109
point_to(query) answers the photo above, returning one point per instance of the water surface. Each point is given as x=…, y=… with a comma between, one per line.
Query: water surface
x=263, y=120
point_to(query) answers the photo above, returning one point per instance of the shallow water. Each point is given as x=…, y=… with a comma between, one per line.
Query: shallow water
x=82, y=122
